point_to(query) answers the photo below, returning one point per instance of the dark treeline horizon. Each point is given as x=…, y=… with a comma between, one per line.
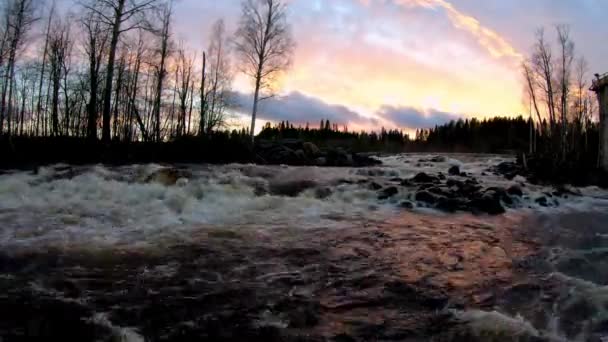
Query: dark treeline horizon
x=113, y=71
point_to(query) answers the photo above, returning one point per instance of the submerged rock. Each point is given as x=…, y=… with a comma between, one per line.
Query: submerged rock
x=515, y=190
x=291, y=188
x=388, y=193
x=487, y=204
x=542, y=201
x=407, y=205
x=426, y=197
x=167, y=177
x=454, y=170
x=425, y=178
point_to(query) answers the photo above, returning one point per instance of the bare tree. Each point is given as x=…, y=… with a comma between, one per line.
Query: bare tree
x=185, y=88
x=164, y=34
x=219, y=75
x=265, y=46
x=115, y=14
x=203, y=94
x=20, y=17
x=566, y=46
x=543, y=64
x=43, y=66
x=59, y=46
x=531, y=82
x=96, y=35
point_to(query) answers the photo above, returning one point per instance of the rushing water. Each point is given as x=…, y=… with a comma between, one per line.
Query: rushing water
x=245, y=252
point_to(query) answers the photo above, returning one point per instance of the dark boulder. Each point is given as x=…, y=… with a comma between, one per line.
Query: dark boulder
x=300, y=155
x=563, y=191
x=426, y=197
x=542, y=201
x=406, y=182
x=499, y=194
x=360, y=160
x=425, y=178
x=311, y=149
x=508, y=169
x=454, y=170
x=291, y=188
x=436, y=159
x=167, y=176
x=339, y=157
x=407, y=205
x=487, y=204
x=388, y=193
x=294, y=144
x=439, y=191
x=515, y=190
x=451, y=204
x=375, y=186
x=323, y=193
x=454, y=183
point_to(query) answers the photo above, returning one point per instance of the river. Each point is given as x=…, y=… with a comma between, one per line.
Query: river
x=277, y=253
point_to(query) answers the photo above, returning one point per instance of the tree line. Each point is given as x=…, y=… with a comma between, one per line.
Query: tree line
x=562, y=109
x=113, y=69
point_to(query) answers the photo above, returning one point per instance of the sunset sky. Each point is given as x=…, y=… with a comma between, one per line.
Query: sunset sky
x=406, y=63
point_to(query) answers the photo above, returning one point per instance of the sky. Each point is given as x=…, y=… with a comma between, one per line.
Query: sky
x=405, y=63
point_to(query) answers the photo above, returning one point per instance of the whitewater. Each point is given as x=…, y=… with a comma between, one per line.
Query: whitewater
x=246, y=252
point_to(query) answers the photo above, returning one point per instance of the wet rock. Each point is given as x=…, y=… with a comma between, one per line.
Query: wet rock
x=515, y=190
x=428, y=298
x=375, y=186
x=396, y=180
x=508, y=169
x=425, y=178
x=388, y=193
x=564, y=191
x=438, y=191
x=499, y=194
x=487, y=204
x=323, y=193
x=291, y=188
x=454, y=170
x=311, y=149
x=441, y=176
x=426, y=197
x=360, y=160
x=542, y=201
x=454, y=183
x=435, y=159
x=339, y=157
x=167, y=177
x=407, y=205
x=406, y=182
x=450, y=204
x=321, y=161
x=300, y=154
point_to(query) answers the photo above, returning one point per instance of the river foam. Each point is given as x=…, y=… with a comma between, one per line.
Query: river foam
x=63, y=207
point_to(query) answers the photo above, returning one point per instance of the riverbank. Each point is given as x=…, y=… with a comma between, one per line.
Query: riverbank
x=29, y=153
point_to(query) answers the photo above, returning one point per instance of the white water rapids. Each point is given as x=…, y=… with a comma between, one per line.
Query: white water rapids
x=132, y=207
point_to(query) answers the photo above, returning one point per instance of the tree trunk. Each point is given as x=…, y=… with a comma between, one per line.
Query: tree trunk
x=602, y=94
x=254, y=112
x=107, y=98
x=46, y=46
x=203, y=97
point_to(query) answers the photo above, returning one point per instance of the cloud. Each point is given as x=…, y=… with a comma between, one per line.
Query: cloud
x=493, y=42
x=298, y=108
x=409, y=117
